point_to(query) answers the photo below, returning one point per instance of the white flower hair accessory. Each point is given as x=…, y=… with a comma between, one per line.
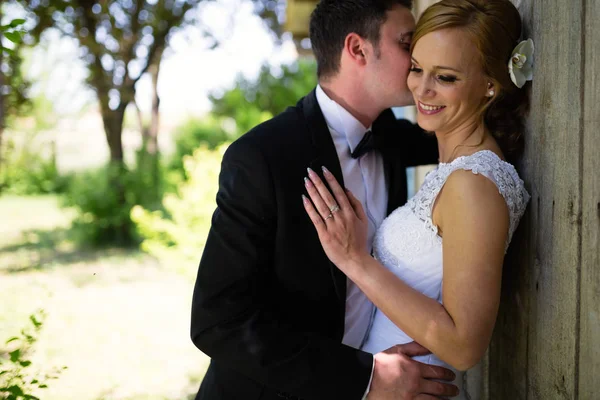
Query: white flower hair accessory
x=520, y=65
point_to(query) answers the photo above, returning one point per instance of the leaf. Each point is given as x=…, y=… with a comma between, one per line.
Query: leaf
x=43, y=386
x=25, y=363
x=30, y=397
x=35, y=321
x=15, y=390
x=16, y=22
x=8, y=51
x=12, y=339
x=14, y=37
x=33, y=382
x=14, y=355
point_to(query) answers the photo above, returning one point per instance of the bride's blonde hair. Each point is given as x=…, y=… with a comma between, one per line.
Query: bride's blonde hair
x=494, y=27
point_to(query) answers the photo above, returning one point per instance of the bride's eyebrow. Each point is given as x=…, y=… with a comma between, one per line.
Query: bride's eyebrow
x=439, y=66
x=448, y=68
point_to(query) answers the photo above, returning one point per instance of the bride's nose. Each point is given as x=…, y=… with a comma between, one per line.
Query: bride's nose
x=425, y=89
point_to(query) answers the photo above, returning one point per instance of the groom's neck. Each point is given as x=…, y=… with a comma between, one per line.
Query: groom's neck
x=350, y=94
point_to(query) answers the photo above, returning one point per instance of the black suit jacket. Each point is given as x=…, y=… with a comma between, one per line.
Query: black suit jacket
x=268, y=306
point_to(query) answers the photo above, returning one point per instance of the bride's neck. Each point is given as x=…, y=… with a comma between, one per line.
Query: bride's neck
x=464, y=140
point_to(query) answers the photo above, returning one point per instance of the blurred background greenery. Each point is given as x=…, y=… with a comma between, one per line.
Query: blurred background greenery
x=114, y=116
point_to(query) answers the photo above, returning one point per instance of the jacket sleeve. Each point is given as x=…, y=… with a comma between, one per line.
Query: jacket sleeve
x=232, y=320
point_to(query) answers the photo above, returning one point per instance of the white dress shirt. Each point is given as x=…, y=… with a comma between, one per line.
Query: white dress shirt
x=365, y=179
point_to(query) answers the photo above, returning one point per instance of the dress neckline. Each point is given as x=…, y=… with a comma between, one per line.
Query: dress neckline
x=511, y=168
x=474, y=154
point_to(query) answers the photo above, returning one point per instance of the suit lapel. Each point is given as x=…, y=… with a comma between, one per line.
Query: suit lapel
x=325, y=154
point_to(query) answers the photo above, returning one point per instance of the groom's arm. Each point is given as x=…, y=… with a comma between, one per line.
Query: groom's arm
x=233, y=320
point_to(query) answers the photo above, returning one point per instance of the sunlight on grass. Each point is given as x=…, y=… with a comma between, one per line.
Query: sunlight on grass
x=115, y=318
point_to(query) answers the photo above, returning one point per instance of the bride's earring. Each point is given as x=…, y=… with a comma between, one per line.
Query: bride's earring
x=491, y=93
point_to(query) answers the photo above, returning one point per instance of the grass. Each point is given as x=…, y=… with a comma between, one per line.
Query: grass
x=116, y=319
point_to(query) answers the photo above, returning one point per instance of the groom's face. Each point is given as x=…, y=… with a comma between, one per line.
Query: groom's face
x=387, y=73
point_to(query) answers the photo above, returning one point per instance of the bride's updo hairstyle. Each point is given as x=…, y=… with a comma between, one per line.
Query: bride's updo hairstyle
x=494, y=27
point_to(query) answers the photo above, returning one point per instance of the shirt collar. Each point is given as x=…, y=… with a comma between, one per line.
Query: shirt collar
x=339, y=120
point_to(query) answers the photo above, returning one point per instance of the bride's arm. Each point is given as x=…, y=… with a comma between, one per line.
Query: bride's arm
x=473, y=217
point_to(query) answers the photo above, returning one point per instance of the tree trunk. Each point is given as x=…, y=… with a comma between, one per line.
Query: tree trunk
x=149, y=158
x=152, y=142
x=113, y=128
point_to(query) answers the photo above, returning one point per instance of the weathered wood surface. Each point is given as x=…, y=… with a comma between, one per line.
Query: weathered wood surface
x=589, y=354
x=546, y=342
x=553, y=170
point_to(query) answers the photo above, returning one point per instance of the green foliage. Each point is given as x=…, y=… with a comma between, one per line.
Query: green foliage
x=210, y=132
x=13, y=31
x=197, y=132
x=17, y=380
x=13, y=85
x=250, y=102
x=29, y=172
x=239, y=109
x=29, y=163
x=179, y=231
x=102, y=217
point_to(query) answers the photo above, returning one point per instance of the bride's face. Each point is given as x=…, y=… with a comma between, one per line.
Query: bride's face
x=447, y=81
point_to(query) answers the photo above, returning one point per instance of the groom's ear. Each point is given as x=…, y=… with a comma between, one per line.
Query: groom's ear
x=355, y=48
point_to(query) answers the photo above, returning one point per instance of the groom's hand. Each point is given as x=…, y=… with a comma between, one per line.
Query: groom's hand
x=397, y=376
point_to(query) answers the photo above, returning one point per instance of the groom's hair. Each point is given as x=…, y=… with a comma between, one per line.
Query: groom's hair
x=332, y=20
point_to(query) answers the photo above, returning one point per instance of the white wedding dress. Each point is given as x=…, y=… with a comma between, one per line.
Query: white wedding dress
x=407, y=244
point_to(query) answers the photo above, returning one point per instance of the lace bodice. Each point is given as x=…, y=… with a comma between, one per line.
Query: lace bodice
x=486, y=163
x=407, y=242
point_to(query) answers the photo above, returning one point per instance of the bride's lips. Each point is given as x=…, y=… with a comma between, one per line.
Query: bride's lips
x=429, y=109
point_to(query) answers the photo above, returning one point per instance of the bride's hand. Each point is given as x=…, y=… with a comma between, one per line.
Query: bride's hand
x=340, y=221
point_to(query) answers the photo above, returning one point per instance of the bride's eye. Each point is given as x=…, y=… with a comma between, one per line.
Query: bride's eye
x=415, y=69
x=447, y=78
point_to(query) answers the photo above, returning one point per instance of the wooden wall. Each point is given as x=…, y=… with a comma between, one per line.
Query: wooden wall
x=547, y=341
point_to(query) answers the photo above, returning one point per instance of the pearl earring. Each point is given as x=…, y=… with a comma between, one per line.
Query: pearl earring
x=491, y=93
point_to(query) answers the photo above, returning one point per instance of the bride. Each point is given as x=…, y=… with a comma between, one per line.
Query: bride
x=435, y=273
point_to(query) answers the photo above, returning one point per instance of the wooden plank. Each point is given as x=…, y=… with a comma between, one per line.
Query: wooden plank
x=507, y=369
x=589, y=359
x=556, y=189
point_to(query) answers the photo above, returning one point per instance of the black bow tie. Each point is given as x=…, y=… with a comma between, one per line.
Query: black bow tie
x=366, y=144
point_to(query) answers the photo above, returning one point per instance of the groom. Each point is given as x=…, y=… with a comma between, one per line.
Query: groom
x=276, y=317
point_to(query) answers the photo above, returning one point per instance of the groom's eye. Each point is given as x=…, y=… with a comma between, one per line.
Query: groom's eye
x=405, y=46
